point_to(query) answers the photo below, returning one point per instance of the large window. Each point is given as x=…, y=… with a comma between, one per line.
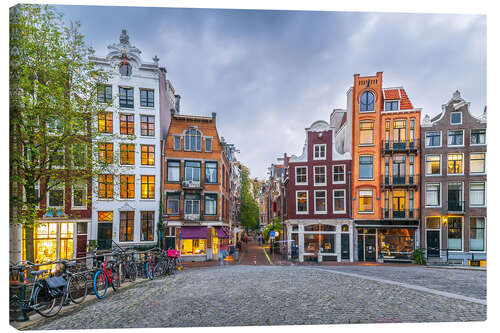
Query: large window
x=301, y=202
x=433, y=139
x=367, y=102
x=147, y=225
x=456, y=138
x=127, y=226
x=366, y=133
x=147, y=154
x=127, y=186
x=477, y=194
x=455, y=233
x=173, y=203
x=127, y=124
x=79, y=196
x=455, y=203
x=320, y=202
x=105, y=187
x=147, y=187
x=320, y=175
x=211, y=204
x=366, y=201
x=366, y=167
x=455, y=164
x=56, y=196
x=320, y=152
x=339, y=174
x=477, y=163
x=211, y=172
x=105, y=152
x=192, y=140
x=339, y=201
x=192, y=204
x=432, y=165
x=391, y=105
x=301, y=175
x=147, y=97
x=105, y=122
x=399, y=131
x=478, y=136
x=147, y=125
x=194, y=246
x=104, y=94
x=126, y=97
x=433, y=195
x=127, y=154
x=192, y=170
x=173, y=171
x=477, y=227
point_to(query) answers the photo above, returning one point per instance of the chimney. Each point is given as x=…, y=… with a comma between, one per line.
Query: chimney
x=214, y=115
x=178, y=103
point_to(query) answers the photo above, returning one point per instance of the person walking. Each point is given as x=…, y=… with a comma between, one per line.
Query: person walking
x=260, y=240
x=221, y=254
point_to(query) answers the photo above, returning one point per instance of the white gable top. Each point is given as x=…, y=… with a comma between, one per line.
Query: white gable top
x=319, y=126
x=124, y=50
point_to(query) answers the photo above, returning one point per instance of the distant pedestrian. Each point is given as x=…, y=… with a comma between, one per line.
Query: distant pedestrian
x=238, y=245
x=221, y=255
x=260, y=241
x=246, y=239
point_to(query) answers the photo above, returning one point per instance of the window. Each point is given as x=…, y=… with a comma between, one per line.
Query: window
x=104, y=94
x=79, y=195
x=301, y=202
x=320, y=152
x=208, y=144
x=127, y=124
x=127, y=154
x=147, y=155
x=301, y=175
x=127, y=186
x=211, y=172
x=105, y=186
x=433, y=139
x=173, y=171
x=477, y=194
x=339, y=201
x=105, y=152
x=454, y=233
x=367, y=102
x=432, y=165
x=177, y=142
x=194, y=246
x=191, y=204
x=433, y=222
x=147, y=187
x=456, y=138
x=320, y=202
x=366, y=133
x=125, y=69
x=391, y=105
x=433, y=195
x=126, y=226
x=455, y=203
x=387, y=132
x=173, y=203
x=192, y=140
x=366, y=201
x=412, y=130
x=477, y=226
x=192, y=170
x=105, y=122
x=105, y=216
x=399, y=130
x=320, y=175
x=478, y=136
x=56, y=196
x=147, y=225
x=339, y=174
x=211, y=204
x=366, y=167
x=455, y=164
x=126, y=97
x=147, y=98
x=456, y=118
x=477, y=163
x=147, y=125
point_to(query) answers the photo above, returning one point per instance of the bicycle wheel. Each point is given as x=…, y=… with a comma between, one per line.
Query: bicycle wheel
x=158, y=270
x=77, y=288
x=149, y=270
x=132, y=271
x=100, y=284
x=46, y=304
x=115, y=278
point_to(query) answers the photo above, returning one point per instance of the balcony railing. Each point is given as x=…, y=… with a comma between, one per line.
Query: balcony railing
x=456, y=206
x=192, y=217
x=403, y=214
x=397, y=180
x=389, y=147
x=191, y=184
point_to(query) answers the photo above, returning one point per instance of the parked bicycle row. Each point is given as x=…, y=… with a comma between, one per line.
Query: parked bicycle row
x=46, y=291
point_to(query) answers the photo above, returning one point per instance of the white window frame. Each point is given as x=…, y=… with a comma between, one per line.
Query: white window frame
x=333, y=173
x=373, y=201
x=463, y=165
x=297, y=203
x=440, y=165
x=316, y=211
x=485, y=237
x=392, y=100
x=455, y=130
x=440, y=195
x=314, y=175
x=320, y=145
x=333, y=202
x=477, y=144
x=470, y=169
x=440, y=139
x=79, y=186
x=470, y=201
x=463, y=228
x=451, y=117
x=211, y=144
x=307, y=178
x=63, y=197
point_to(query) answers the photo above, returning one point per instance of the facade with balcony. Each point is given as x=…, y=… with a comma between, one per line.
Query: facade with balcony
x=453, y=148
x=196, y=188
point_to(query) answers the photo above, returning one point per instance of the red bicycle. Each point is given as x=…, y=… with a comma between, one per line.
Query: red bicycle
x=107, y=275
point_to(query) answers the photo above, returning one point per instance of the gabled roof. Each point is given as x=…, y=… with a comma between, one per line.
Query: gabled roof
x=405, y=101
x=400, y=94
x=391, y=94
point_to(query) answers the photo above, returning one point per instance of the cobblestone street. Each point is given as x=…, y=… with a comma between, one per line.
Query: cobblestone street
x=240, y=295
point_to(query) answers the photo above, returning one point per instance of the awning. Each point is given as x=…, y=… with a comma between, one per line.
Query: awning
x=222, y=232
x=194, y=232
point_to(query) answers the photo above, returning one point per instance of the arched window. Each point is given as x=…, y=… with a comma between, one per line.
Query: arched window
x=192, y=140
x=125, y=69
x=367, y=101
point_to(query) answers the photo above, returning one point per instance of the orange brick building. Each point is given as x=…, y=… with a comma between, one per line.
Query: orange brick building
x=386, y=169
x=195, y=194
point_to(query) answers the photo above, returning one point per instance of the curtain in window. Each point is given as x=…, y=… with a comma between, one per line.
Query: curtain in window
x=477, y=194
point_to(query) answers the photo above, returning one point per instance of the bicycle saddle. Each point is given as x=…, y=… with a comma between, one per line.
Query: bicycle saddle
x=36, y=273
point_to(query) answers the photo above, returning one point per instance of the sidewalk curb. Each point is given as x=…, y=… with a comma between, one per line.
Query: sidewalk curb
x=465, y=268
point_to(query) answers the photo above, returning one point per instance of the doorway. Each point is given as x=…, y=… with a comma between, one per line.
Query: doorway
x=367, y=245
x=433, y=247
x=104, y=236
x=344, y=246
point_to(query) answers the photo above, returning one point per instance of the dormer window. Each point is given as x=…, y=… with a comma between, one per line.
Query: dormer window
x=391, y=105
x=125, y=69
x=367, y=102
x=192, y=140
x=456, y=118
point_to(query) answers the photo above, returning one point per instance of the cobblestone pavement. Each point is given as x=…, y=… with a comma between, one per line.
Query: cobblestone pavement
x=457, y=281
x=262, y=295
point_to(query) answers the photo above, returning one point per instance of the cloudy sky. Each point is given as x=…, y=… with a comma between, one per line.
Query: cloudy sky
x=270, y=74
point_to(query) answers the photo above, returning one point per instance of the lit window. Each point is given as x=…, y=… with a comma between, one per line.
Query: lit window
x=194, y=246
x=320, y=201
x=147, y=225
x=147, y=98
x=105, y=120
x=302, y=202
x=127, y=226
x=319, y=175
x=127, y=154
x=320, y=152
x=366, y=201
x=455, y=164
x=367, y=102
x=477, y=163
x=105, y=186
x=148, y=125
x=454, y=233
x=147, y=155
x=339, y=201
x=300, y=175
x=432, y=164
x=127, y=186
x=105, y=216
x=127, y=124
x=147, y=187
x=366, y=133
x=105, y=152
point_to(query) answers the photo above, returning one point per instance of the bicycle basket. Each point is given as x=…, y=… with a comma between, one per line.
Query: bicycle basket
x=173, y=253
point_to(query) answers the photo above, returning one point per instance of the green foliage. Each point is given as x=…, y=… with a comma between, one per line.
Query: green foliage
x=418, y=256
x=276, y=226
x=249, y=206
x=92, y=245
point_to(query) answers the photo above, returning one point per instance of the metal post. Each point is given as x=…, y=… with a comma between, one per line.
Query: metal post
x=23, y=316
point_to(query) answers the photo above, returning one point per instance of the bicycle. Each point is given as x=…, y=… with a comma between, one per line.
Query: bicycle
x=77, y=283
x=128, y=269
x=105, y=276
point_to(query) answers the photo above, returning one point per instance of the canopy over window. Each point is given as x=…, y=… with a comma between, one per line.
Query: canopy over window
x=194, y=232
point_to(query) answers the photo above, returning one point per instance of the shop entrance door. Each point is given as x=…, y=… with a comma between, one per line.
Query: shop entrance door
x=370, y=248
x=104, y=236
x=344, y=246
x=433, y=249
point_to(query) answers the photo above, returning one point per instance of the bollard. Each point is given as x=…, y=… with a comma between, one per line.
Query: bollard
x=23, y=316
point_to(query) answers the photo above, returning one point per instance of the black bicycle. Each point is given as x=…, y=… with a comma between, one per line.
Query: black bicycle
x=77, y=287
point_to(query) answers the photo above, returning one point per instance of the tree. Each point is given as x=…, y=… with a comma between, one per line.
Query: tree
x=53, y=112
x=249, y=206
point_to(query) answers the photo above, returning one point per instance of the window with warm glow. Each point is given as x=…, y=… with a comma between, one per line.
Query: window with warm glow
x=302, y=206
x=148, y=125
x=147, y=187
x=127, y=124
x=105, y=152
x=433, y=164
x=105, y=216
x=366, y=133
x=105, y=186
x=194, y=246
x=105, y=122
x=147, y=155
x=477, y=163
x=366, y=201
x=455, y=164
x=147, y=225
x=127, y=226
x=127, y=154
x=127, y=186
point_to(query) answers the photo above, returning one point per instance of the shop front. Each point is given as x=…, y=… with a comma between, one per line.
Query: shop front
x=385, y=244
x=193, y=243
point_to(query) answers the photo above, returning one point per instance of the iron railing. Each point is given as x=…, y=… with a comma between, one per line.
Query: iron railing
x=391, y=146
x=400, y=180
x=402, y=214
x=456, y=206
